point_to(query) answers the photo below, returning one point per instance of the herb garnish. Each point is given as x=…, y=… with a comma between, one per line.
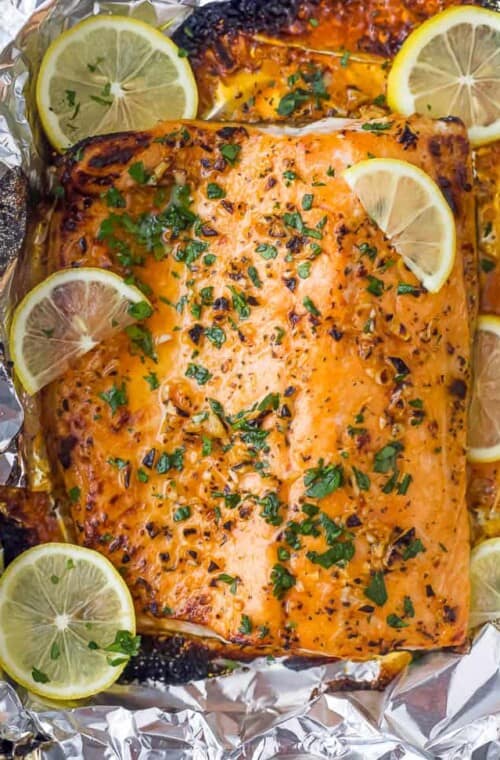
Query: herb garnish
x=138, y=173
x=270, y=512
x=173, y=461
x=311, y=308
x=376, y=590
x=396, y=622
x=282, y=580
x=267, y=251
x=246, y=625
x=323, y=480
x=115, y=397
x=216, y=335
x=182, y=513
x=416, y=547
x=215, y=191
x=230, y=151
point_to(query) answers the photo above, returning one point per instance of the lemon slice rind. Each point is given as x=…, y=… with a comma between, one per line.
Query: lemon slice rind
x=485, y=582
x=34, y=610
x=112, y=92
x=382, y=203
x=489, y=323
x=400, y=97
x=54, y=346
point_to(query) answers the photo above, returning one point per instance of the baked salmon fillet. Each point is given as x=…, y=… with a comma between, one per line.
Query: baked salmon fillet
x=276, y=456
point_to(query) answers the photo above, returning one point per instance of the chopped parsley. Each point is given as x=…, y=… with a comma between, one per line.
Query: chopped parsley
x=182, y=513
x=141, y=338
x=345, y=58
x=362, y=480
x=405, y=288
x=39, y=676
x=216, y=335
x=246, y=625
x=282, y=580
x=115, y=397
x=125, y=643
x=270, y=509
x=55, y=651
x=307, y=201
x=416, y=547
x=230, y=152
x=152, y=380
x=396, y=622
x=376, y=126
x=311, y=308
x=376, y=590
x=385, y=459
x=368, y=250
x=323, y=480
x=375, y=286
x=138, y=173
x=304, y=270
x=271, y=401
x=408, y=607
x=404, y=484
x=338, y=554
x=140, y=310
x=290, y=102
x=114, y=198
x=487, y=265
x=142, y=475
x=267, y=251
x=215, y=191
x=240, y=304
x=118, y=462
x=198, y=373
x=173, y=461
x=254, y=276
x=74, y=494
x=231, y=581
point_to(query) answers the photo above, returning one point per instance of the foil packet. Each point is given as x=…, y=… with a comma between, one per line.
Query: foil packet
x=443, y=705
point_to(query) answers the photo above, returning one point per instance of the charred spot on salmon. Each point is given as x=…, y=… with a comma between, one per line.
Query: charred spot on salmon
x=458, y=388
x=66, y=446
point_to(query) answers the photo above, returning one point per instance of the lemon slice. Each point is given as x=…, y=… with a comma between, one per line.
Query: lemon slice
x=110, y=74
x=485, y=582
x=67, y=315
x=450, y=66
x=67, y=622
x=484, y=412
x=411, y=210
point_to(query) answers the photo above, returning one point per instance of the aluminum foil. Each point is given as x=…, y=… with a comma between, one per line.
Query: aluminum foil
x=443, y=706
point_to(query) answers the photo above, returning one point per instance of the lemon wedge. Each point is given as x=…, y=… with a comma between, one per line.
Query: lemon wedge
x=450, y=66
x=485, y=582
x=484, y=412
x=67, y=315
x=110, y=74
x=67, y=621
x=411, y=210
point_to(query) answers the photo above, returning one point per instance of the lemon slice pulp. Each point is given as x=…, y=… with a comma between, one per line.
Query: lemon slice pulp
x=450, y=66
x=411, y=210
x=110, y=74
x=64, y=317
x=485, y=582
x=67, y=623
x=484, y=412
